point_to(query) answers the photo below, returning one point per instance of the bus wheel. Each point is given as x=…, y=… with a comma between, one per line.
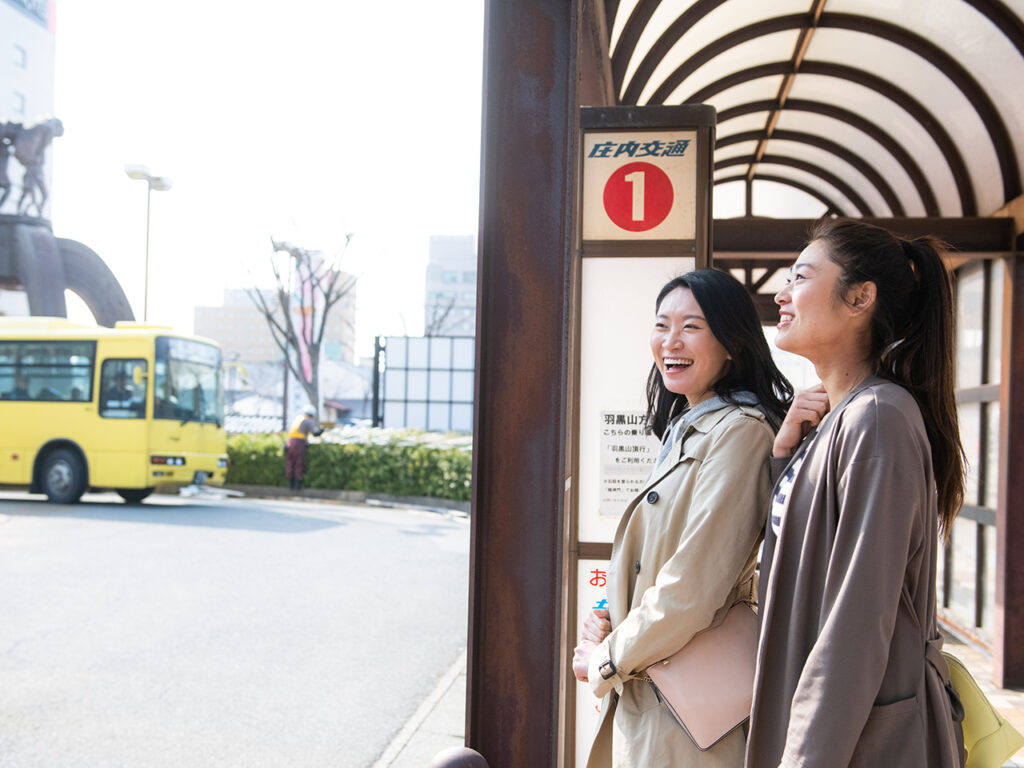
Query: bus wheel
x=134, y=495
x=63, y=477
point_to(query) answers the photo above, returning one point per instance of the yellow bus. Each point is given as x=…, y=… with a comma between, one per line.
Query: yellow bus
x=130, y=408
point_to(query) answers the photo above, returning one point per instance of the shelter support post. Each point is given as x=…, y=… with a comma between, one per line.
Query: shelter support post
x=1008, y=623
x=528, y=174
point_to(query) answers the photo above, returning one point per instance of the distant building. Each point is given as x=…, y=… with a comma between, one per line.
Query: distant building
x=26, y=60
x=243, y=334
x=450, y=304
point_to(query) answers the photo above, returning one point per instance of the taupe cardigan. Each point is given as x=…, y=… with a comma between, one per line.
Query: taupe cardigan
x=849, y=670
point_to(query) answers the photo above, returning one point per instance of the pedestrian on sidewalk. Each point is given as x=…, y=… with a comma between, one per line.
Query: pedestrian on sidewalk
x=304, y=425
x=870, y=468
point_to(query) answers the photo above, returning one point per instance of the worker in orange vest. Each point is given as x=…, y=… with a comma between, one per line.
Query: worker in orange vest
x=304, y=425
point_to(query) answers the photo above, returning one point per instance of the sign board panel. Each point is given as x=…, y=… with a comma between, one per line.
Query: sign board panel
x=593, y=577
x=640, y=185
x=617, y=314
x=644, y=218
x=616, y=317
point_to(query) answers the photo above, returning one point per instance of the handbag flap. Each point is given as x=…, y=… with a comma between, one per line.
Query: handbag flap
x=709, y=683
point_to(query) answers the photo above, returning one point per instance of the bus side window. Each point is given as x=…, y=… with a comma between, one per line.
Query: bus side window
x=120, y=397
x=20, y=389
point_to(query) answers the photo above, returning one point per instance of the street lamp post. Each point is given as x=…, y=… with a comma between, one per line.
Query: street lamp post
x=160, y=184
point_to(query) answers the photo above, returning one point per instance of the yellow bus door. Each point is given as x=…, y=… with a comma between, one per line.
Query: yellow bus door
x=119, y=454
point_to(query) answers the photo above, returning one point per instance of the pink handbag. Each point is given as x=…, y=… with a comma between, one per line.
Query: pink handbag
x=708, y=684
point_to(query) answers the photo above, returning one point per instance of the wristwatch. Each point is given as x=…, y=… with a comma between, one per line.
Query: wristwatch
x=607, y=669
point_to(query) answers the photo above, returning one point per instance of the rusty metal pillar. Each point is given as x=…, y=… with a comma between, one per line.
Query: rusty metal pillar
x=528, y=179
x=1008, y=624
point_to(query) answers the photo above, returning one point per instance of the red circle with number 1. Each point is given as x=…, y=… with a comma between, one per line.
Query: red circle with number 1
x=638, y=196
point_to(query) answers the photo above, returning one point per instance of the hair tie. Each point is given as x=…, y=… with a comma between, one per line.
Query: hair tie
x=910, y=251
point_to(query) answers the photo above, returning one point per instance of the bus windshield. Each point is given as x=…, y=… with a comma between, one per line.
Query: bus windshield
x=187, y=385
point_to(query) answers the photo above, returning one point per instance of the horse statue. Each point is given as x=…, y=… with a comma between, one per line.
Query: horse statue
x=7, y=133
x=29, y=144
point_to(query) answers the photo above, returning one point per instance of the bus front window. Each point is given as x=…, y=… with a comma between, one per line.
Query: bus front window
x=187, y=385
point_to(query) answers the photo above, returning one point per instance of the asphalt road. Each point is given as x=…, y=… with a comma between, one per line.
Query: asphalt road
x=226, y=633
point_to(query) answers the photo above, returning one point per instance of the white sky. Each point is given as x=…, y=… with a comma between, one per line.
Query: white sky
x=302, y=120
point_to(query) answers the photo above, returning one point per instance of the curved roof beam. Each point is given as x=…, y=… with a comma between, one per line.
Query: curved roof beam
x=956, y=72
x=630, y=36
x=803, y=165
x=673, y=32
x=996, y=12
x=946, y=145
x=611, y=10
x=960, y=77
x=806, y=189
x=710, y=51
x=863, y=166
x=1007, y=21
x=913, y=170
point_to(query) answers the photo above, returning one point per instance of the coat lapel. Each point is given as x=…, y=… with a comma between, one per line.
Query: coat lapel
x=691, y=449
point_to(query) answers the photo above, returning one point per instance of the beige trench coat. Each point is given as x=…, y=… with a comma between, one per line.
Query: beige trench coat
x=684, y=552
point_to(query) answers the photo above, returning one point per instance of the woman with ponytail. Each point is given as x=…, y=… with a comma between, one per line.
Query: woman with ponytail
x=870, y=473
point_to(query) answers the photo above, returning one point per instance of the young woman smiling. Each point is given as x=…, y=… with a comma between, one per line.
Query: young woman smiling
x=871, y=471
x=685, y=548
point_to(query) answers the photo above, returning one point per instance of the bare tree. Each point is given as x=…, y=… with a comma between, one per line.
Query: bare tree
x=439, y=312
x=297, y=313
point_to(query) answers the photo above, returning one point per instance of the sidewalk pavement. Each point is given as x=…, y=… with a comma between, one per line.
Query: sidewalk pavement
x=440, y=721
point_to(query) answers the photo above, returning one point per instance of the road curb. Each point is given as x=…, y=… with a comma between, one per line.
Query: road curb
x=414, y=723
x=353, y=497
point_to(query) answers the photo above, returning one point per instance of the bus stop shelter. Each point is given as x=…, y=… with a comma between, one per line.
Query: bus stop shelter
x=909, y=114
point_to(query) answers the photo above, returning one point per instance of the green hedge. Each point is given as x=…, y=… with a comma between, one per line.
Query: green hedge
x=393, y=467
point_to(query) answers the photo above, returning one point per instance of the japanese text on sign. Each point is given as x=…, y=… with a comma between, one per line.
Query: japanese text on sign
x=627, y=457
x=639, y=149
x=593, y=580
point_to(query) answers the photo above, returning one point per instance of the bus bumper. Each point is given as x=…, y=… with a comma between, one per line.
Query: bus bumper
x=197, y=470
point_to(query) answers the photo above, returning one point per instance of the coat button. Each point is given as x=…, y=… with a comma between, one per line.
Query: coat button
x=637, y=566
x=652, y=497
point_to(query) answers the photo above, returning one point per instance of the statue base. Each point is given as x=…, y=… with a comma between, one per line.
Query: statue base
x=44, y=266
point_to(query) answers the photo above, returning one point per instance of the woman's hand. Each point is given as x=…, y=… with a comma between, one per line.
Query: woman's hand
x=596, y=627
x=581, y=660
x=806, y=412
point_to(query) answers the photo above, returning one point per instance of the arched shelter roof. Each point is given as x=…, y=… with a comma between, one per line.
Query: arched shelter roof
x=875, y=108
x=868, y=107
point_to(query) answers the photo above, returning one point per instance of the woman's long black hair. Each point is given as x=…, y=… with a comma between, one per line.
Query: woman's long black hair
x=731, y=316
x=911, y=332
